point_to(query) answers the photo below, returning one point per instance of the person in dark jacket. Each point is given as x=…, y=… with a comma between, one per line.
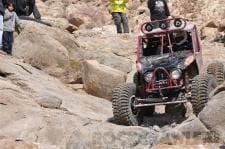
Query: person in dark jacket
x=26, y=8
x=158, y=10
x=2, y=4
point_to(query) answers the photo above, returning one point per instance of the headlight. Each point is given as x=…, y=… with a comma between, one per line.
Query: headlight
x=176, y=74
x=148, y=76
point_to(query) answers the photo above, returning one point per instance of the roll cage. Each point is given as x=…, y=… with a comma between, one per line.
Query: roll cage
x=165, y=39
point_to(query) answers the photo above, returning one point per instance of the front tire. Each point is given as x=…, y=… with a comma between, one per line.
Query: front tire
x=123, y=109
x=200, y=90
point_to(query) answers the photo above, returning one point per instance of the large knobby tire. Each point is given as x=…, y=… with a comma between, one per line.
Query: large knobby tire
x=219, y=73
x=201, y=87
x=123, y=111
x=115, y=102
x=217, y=70
x=211, y=68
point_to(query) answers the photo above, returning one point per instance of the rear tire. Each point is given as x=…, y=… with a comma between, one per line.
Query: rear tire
x=123, y=110
x=217, y=70
x=200, y=90
x=211, y=69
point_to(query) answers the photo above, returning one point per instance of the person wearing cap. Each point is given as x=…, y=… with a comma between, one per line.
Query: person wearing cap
x=118, y=10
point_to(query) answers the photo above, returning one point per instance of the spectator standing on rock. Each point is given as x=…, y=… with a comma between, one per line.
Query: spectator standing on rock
x=2, y=11
x=11, y=21
x=118, y=10
x=158, y=10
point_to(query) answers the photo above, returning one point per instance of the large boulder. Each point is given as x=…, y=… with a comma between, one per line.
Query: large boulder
x=103, y=136
x=213, y=115
x=49, y=49
x=57, y=8
x=63, y=55
x=108, y=48
x=110, y=59
x=100, y=80
x=190, y=128
x=24, y=90
x=210, y=33
x=87, y=14
x=24, y=93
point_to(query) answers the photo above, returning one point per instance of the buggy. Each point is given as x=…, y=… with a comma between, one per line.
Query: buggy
x=170, y=72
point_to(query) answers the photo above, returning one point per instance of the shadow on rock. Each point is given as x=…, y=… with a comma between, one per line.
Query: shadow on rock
x=163, y=120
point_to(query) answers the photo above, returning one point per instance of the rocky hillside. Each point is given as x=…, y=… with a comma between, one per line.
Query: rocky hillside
x=74, y=14
x=39, y=112
x=55, y=91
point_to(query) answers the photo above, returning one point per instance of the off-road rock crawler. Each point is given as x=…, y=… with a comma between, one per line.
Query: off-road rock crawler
x=169, y=72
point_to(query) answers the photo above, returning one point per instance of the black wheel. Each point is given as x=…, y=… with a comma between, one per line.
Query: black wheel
x=123, y=109
x=115, y=102
x=200, y=90
x=217, y=70
x=211, y=68
x=219, y=73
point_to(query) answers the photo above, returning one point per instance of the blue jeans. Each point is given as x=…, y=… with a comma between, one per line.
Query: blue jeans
x=7, y=42
x=1, y=30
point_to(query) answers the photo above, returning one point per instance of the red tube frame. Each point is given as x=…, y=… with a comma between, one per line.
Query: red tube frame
x=172, y=84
